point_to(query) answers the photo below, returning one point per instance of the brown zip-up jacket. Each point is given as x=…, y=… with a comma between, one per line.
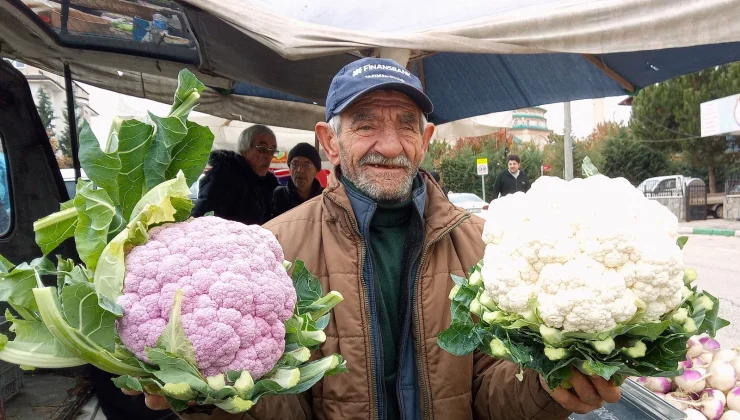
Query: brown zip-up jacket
x=323, y=233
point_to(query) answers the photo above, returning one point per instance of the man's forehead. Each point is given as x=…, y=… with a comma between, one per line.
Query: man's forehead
x=262, y=139
x=301, y=159
x=384, y=99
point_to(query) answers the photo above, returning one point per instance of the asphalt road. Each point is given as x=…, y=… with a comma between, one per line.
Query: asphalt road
x=717, y=262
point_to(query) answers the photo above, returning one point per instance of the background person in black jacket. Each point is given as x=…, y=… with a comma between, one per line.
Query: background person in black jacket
x=511, y=180
x=304, y=163
x=239, y=186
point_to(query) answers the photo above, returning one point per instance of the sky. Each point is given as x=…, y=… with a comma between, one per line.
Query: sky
x=582, y=115
x=109, y=104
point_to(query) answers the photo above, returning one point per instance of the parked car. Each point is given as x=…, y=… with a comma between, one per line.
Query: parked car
x=469, y=202
x=676, y=186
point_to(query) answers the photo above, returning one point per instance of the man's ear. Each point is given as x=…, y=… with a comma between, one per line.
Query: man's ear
x=426, y=137
x=329, y=141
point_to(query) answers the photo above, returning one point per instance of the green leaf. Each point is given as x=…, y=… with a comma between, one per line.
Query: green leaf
x=35, y=346
x=460, y=281
x=307, y=286
x=5, y=265
x=110, y=272
x=681, y=241
x=173, y=369
x=17, y=286
x=102, y=168
x=134, y=141
x=191, y=153
x=650, y=330
x=593, y=367
x=128, y=383
x=55, y=228
x=175, y=404
x=83, y=312
x=712, y=322
x=187, y=84
x=459, y=339
x=168, y=133
x=95, y=211
x=173, y=338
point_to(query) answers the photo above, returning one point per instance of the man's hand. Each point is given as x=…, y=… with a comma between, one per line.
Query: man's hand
x=587, y=394
x=155, y=402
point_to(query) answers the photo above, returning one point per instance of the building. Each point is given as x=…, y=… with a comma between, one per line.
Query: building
x=529, y=125
x=53, y=84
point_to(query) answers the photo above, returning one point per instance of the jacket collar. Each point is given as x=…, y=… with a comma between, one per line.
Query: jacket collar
x=293, y=191
x=438, y=213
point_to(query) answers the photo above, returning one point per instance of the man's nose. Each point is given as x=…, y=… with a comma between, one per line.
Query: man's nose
x=389, y=143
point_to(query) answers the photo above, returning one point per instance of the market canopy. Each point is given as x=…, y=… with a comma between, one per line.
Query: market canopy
x=272, y=61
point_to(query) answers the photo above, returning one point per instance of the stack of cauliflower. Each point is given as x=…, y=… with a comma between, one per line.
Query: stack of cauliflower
x=587, y=274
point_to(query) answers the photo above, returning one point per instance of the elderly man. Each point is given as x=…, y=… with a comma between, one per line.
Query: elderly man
x=304, y=163
x=384, y=235
x=239, y=186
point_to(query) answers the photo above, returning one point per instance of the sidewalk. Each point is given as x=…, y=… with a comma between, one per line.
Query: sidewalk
x=711, y=226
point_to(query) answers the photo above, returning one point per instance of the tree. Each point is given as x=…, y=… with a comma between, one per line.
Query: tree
x=531, y=159
x=667, y=117
x=554, y=155
x=458, y=163
x=622, y=156
x=46, y=111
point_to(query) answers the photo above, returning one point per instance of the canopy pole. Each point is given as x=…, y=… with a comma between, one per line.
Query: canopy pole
x=65, y=15
x=72, y=121
x=629, y=87
x=399, y=55
x=567, y=144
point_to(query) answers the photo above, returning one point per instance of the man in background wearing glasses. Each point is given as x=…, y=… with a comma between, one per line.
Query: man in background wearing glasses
x=304, y=163
x=239, y=185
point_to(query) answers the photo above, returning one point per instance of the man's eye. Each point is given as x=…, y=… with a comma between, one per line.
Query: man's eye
x=366, y=127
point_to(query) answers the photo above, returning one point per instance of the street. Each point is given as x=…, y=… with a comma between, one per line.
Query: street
x=717, y=262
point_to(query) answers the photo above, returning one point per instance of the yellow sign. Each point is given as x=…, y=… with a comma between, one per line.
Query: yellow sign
x=482, y=166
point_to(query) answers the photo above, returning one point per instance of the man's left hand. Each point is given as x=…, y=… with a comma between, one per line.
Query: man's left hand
x=588, y=393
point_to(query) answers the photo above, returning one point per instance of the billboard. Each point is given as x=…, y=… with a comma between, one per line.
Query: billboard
x=721, y=116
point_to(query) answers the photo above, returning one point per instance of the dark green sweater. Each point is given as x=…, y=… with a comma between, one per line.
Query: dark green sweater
x=388, y=230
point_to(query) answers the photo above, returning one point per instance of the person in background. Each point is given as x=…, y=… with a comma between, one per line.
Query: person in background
x=511, y=180
x=239, y=185
x=304, y=163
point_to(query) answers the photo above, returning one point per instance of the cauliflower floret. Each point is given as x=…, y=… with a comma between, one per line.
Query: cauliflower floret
x=583, y=262
x=236, y=293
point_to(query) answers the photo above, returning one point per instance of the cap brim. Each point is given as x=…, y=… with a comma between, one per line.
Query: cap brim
x=415, y=94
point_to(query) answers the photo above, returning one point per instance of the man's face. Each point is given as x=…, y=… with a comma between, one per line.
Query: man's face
x=381, y=145
x=302, y=172
x=260, y=154
x=513, y=166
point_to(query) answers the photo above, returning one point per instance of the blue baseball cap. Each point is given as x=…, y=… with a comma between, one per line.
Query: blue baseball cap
x=368, y=74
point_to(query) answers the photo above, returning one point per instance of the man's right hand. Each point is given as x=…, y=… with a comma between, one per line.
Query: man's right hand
x=155, y=402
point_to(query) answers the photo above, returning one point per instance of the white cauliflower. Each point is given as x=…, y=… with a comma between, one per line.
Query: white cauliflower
x=585, y=254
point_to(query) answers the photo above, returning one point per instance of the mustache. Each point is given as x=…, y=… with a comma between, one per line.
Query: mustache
x=378, y=159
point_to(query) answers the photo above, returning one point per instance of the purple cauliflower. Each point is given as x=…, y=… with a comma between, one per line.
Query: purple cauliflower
x=236, y=293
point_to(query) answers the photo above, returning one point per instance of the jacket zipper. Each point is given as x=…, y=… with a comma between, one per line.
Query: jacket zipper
x=417, y=325
x=373, y=396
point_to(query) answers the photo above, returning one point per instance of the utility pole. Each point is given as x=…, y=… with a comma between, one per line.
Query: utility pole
x=567, y=144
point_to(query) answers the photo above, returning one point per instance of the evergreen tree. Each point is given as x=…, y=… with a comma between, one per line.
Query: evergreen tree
x=46, y=111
